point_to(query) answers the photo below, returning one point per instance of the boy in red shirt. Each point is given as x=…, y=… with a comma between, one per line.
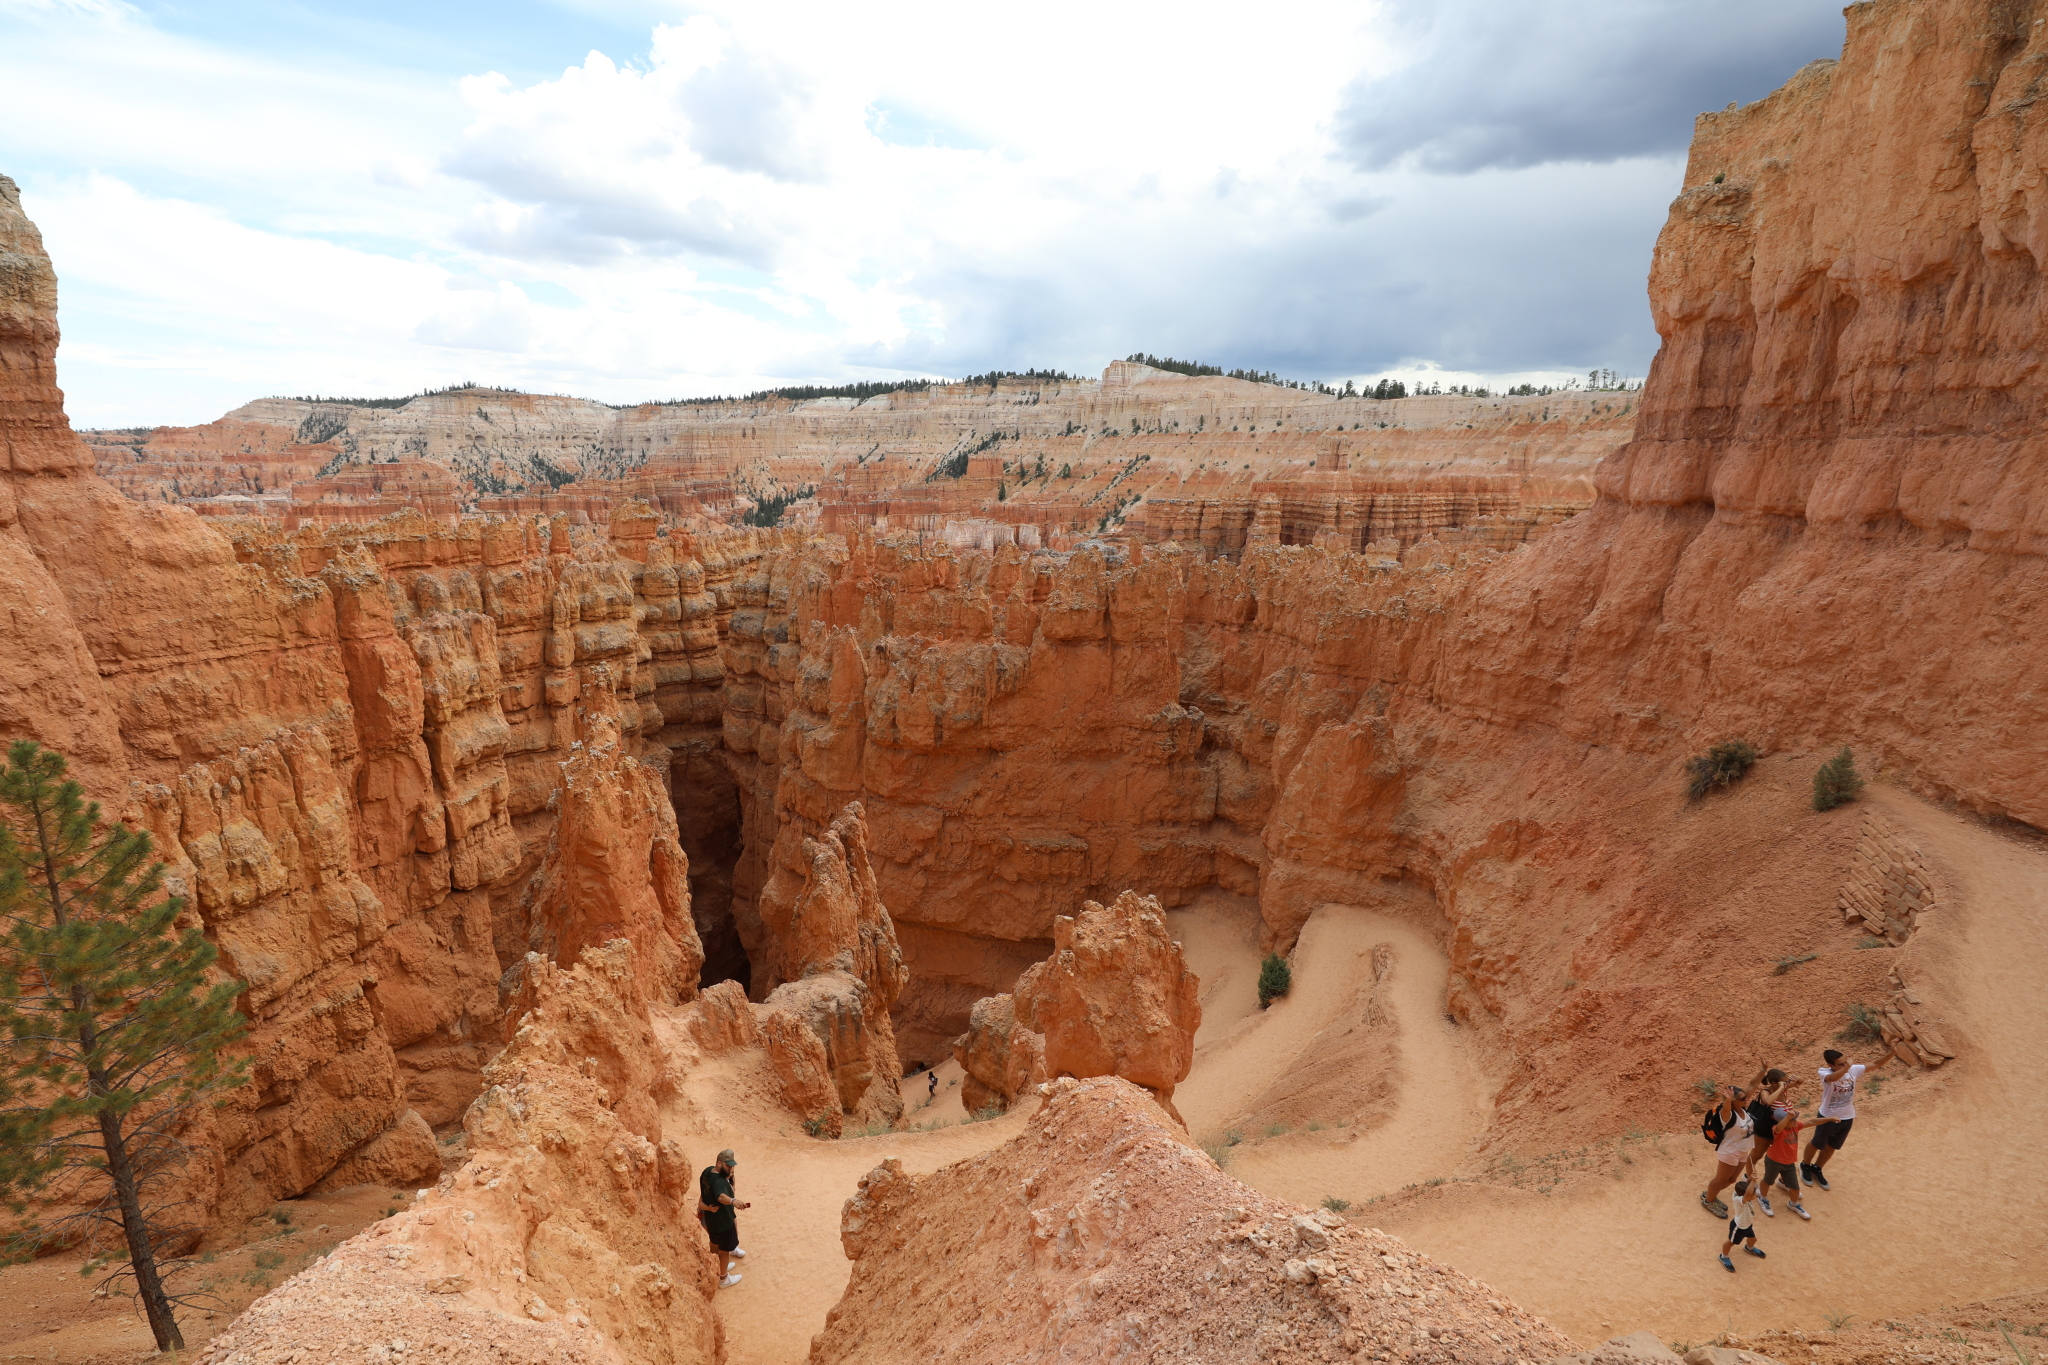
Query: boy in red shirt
x=1779, y=1164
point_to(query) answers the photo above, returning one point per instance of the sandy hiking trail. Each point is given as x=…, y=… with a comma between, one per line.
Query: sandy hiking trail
x=1441, y=1094
x=1939, y=1196
x=795, y=1269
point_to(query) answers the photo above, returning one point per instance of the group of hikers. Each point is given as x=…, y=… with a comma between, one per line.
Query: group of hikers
x=1758, y=1123
x=1748, y=1124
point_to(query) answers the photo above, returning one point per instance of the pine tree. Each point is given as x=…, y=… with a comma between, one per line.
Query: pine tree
x=1276, y=978
x=112, y=1034
x=1837, y=781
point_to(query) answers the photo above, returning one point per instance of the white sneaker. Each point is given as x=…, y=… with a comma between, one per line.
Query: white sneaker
x=737, y=1252
x=1768, y=1213
x=729, y=1281
x=1800, y=1209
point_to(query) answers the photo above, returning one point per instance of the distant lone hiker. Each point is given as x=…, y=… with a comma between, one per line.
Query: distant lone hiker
x=1837, y=1112
x=715, y=1205
x=932, y=1090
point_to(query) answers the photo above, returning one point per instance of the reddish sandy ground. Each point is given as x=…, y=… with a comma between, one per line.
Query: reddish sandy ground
x=48, y=1311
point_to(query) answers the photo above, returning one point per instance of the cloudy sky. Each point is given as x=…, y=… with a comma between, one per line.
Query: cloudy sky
x=633, y=199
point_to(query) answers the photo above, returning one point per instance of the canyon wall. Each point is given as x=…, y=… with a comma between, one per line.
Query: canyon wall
x=1828, y=529
x=363, y=752
x=1192, y=458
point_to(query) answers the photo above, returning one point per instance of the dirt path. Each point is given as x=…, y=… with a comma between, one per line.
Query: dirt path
x=795, y=1269
x=1938, y=1198
x=1441, y=1095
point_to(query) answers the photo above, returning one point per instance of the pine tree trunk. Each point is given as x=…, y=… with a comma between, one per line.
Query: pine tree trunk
x=141, y=1255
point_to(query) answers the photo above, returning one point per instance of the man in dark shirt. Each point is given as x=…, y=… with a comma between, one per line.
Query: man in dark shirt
x=715, y=1205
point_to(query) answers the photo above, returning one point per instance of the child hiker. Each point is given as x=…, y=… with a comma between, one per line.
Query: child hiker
x=1779, y=1165
x=1741, y=1212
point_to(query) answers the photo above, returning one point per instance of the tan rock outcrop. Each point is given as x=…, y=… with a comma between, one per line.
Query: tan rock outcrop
x=1001, y=1057
x=1115, y=998
x=569, y=1234
x=1098, y=1233
x=615, y=867
x=827, y=1027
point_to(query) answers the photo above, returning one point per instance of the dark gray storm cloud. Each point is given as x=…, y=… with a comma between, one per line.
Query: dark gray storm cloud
x=1498, y=273
x=1492, y=84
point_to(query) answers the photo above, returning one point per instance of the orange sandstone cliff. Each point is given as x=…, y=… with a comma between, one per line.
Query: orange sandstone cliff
x=350, y=746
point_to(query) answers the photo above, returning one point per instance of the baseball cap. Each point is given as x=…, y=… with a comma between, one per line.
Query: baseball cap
x=728, y=1158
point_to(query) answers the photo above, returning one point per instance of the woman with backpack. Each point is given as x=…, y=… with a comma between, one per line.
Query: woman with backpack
x=1732, y=1132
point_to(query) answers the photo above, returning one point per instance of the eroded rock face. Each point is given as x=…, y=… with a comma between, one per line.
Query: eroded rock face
x=1115, y=998
x=347, y=744
x=1189, y=458
x=828, y=1027
x=1001, y=1057
x=570, y=1233
x=1099, y=1233
x=615, y=868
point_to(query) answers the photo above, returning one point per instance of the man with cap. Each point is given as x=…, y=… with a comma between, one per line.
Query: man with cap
x=715, y=1205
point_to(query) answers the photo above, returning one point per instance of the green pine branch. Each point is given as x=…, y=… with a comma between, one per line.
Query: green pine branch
x=114, y=1030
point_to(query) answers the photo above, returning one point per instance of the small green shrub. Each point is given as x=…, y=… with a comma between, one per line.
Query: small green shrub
x=1837, y=781
x=1707, y=1087
x=1233, y=1137
x=1867, y=942
x=1837, y=1321
x=268, y=1260
x=1334, y=1204
x=1786, y=964
x=1219, y=1152
x=1721, y=766
x=1275, y=1129
x=1866, y=1025
x=1276, y=978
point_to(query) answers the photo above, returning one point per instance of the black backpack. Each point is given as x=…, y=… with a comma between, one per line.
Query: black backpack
x=1713, y=1127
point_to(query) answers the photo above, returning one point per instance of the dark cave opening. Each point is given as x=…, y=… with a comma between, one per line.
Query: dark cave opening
x=707, y=804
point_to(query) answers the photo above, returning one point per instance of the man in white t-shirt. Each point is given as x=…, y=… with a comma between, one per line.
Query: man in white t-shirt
x=1837, y=1111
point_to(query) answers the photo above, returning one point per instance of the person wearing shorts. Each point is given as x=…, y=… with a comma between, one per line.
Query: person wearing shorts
x=1766, y=1101
x=1741, y=1214
x=1737, y=1138
x=1780, y=1165
x=715, y=1206
x=1837, y=1112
